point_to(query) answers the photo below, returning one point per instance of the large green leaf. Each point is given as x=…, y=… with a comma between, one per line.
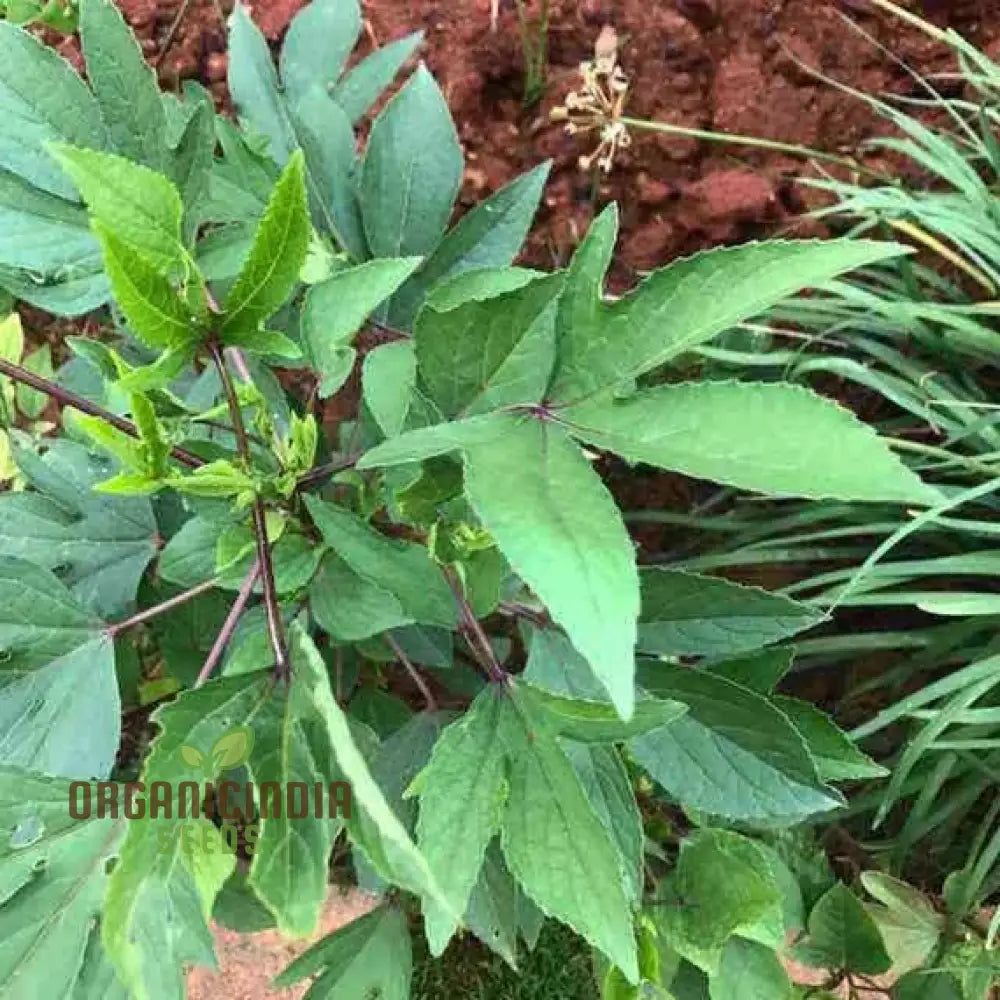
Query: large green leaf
x=409, y=866
x=476, y=355
x=170, y=870
x=388, y=378
x=41, y=100
x=254, y=86
x=54, y=870
x=271, y=271
x=426, y=442
x=837, y=756
x=608, y=789
x=412, y=171
x=684, y=614
x=141, y=208
x=684, y=304
x=361, y=87
x=43, y=233
x=290, y=868
x=749, y=971
x=779, y=439
x=124, y=85
x=99, y=544
x=402, y=568
x=493, y=906
x=324, y=132
x=723, y=886
x=559, y=528
x=843, y=935
x=336, y=309
x=59, y=705
x=370, y=957
x=156, y=313
x=317, y=44
x=489, y=235
x=554, y=842
x=734, y=754
x=462, y=794
x=350, y=606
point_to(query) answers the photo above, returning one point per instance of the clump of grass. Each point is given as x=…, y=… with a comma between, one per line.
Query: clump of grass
x=558, y=967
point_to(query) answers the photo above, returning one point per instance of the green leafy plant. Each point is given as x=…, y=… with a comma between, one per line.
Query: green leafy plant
x=195, y=523
x=59, y=14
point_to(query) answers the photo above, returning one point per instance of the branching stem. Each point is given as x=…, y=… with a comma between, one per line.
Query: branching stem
x=412, y=671
x=66, y=397
x=116, y=628
x=229, y=625
x=275, y=626
x=477, y=639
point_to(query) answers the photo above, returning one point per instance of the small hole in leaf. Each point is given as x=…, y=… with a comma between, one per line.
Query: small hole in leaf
x=109, y=865
x=6, y=655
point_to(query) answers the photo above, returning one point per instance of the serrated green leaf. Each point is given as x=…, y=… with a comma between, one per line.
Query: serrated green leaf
x=417, y=445
x=837, y=756
x=191, y=162
x=462, y=795
x=410, y=867
x=842, y=935
x=554, y=842
x=723, y=886
x=778, y=439
x=44, y=234
x=371, y=956
x=480, y=355
x=560, y=530
x=608, y=789
x=412, y=171
x=253, y=84
x=597, y=721
x=362, y=86
x=684, y=614
x=556, y=665
x=290, y=868
x=336, y=309
x=317, y=45
x=54, y=871
x=388, y=376
x=124, y=85
x=99, y=545
x=156, y=313
x=42, y=100
x=162, y=890
x=59, y=704
x=70, y=294
x=684, y=304
x=489, y=235
x=350, y=606
x=760, y=672
x=734, y=754
x=402, y=568
x=271, y=271
x=140, y=207
x=492, y=911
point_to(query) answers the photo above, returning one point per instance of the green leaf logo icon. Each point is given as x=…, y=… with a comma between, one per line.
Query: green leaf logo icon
x=192, y=756
x=232, y=748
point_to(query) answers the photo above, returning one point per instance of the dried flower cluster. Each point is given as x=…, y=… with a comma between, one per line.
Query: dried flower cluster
x=598, y=105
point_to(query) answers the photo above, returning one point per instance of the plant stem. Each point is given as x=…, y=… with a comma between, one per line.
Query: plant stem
x=116, y=628
x=322, y=472
x=275, y=627
x=412, y=671
x=229, y=625
x=477, y=639
x=641, y=125
x=66, y=397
